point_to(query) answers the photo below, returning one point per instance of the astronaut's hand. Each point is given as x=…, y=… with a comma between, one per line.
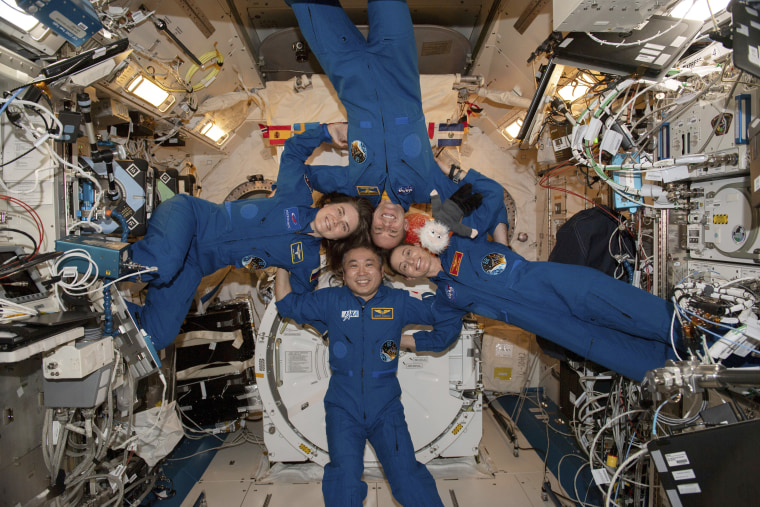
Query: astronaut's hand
x=339, y=134
x=407, y=343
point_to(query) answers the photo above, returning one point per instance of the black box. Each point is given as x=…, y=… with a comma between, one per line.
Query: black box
x=216, y=399
x=235, y=315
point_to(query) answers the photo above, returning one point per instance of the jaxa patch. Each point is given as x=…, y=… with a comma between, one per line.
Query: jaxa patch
x=494, y=263
x=366, y=190
x=349, y=314
x=296, y=252
x=456, y=262
x=389, y=351
x=291, y=218
x=405, y=190
x=382, y=314
x=359, y=152
x=450, y=292
x=253, y=263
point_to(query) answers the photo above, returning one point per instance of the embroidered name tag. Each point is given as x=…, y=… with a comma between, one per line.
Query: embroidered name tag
x=382, y=313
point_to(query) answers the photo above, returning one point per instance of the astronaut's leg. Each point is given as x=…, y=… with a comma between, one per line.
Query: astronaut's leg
x=171, y=231
x=166, y=305
x=410, y=480
x=340, y=49
x=346, y=438
x=604, y=301
x=392, y=43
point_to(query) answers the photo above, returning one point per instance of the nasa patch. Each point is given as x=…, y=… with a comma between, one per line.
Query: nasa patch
x=253, y=263
x=405, y=190
x=389, y=351
x=358, y=152
x=494, y=263
x=291, y=218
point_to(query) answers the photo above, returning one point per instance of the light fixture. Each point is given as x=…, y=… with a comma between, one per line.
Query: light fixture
x=150, y=92
x=700, y=10
x=214, y=133
x=10, y=12
x=510, y=131
x=572, y=91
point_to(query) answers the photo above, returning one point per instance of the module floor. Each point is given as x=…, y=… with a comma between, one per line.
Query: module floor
x=241, y=476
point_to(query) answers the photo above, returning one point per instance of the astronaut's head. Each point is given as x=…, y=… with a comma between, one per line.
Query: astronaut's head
x=363, y=271
x=413, y=261
x=388, y=224
x=341, y=216
x=336, y=221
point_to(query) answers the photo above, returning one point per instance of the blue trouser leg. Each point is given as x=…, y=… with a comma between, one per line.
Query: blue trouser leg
x=625, y=353
x=605, y=320
x=171, y=231
x=169, y=245
x=346, y=438
x=392, y=43
x=340, y=49
x=167, y=305
x=410, y=480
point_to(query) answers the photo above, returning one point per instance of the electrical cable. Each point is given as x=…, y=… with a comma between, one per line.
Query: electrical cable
x=644, y=41
x=619, y=472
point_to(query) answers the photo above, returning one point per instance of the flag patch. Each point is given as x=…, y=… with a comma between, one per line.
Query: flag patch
x=456, y=262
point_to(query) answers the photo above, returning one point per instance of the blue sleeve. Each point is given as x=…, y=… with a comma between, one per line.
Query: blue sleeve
x=492, y=211
x=306, y=308
x=446, y=322
x=301, y=281
x=293, y=168
x=330, y=178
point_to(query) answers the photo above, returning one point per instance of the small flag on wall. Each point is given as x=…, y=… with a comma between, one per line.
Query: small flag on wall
x=447, y=134
x=277, y=134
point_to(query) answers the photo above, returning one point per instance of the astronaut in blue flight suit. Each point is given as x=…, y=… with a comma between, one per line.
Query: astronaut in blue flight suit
x=364, y=319
x=377, y=80
x=594, y=315
x=189, y=238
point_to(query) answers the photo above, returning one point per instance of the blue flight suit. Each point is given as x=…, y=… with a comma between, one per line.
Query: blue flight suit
x=362, y=400
x=594, y=315
x=377, y=80
x=189, y=238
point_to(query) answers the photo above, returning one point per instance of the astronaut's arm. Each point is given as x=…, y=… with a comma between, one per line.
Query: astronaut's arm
x=452, y=170
x=446, y=322
x=293, y=167
x=281, y=284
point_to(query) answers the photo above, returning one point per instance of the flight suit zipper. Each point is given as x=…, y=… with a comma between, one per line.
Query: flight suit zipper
x=364, y=343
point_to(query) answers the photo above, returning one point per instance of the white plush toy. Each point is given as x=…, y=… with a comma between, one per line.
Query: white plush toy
x=433, y=234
